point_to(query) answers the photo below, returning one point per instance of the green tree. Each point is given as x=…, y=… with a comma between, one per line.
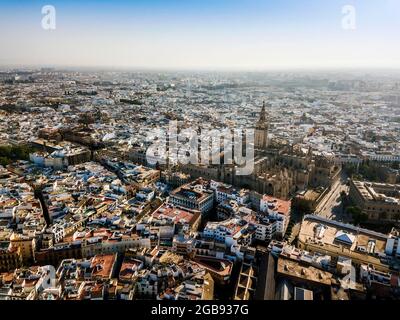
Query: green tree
x=358, y=216
x=301, y=206
x=4, y=161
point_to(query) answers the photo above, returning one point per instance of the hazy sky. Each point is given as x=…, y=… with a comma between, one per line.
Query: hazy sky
x=211, y=34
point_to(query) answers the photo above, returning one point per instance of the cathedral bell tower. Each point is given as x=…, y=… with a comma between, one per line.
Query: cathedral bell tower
x=261, y=131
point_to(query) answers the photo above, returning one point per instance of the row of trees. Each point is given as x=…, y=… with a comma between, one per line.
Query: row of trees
x=369, y=170
x=302, y=207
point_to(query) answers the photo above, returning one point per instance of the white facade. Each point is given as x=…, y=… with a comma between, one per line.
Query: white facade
x=393, y=246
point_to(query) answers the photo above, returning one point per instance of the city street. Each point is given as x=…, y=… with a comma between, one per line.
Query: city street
x=332, y=207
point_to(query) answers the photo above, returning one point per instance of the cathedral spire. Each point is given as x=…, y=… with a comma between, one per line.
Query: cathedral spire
x=262, y=114
x=261, y=133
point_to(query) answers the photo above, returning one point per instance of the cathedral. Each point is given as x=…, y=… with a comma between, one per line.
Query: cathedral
x=280, y=171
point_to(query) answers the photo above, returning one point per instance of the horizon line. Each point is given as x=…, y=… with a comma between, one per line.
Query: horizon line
x=60, y=67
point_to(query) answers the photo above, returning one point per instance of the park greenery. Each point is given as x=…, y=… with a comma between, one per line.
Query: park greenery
x=11, y=153
x=368, y=170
